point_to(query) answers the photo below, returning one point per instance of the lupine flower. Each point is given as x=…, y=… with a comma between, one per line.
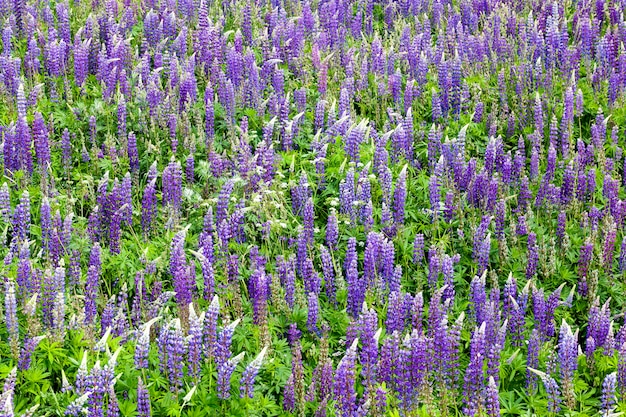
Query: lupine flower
x=568, y=359
x=21, y=218
x=148, y=207
x=172, y=186
x=143, y=400
x=492, y=401
x=224, y=372
x=344, y=388
x=533, y=256
x=608, y=393
x=474, y=374
x=10, y=312
x=313, y=309
x=30, y=344
x=78, y=406
x=249, y=375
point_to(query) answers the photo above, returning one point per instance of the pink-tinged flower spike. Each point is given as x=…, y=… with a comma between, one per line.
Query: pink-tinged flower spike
x=248, y=377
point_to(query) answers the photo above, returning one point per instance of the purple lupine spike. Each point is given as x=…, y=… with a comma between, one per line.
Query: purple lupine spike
x=356, y=289
x=313, y=311
x=210, y=327
x=5, y=203
x=249, y=375
x=599, y=323
x=21, y=218
x=399, y=197
x=91, y=292
x=224, y=340
x=435, y=186
x=172, y=186
x=142, y=348
x=395, y=313
x=175, y=350
x=492, y=400
x=533, y=256
x=568, y=359
x=133, y=153
x=30, y=344
x=126, y=200
x=182, y=273
x=414, y=367
x=328, y=270
x=609, y=248
x=344, y=386
x=143, y=400
x=483, y=254
x=433, y=266
x=224, y=372
x=368, y=323
x=332, y=231
x=608, y=393
x=42, y=145
x=78, y=407
x=10, y=307
x=553, y=393
x=474, y=374
x=148, y=207
x=418, y=248
x=194, y=342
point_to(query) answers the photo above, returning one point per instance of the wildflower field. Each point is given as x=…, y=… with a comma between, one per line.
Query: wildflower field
x=319, y=208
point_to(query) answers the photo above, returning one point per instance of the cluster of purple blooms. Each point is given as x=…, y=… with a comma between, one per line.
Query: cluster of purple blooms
x=333, y=187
